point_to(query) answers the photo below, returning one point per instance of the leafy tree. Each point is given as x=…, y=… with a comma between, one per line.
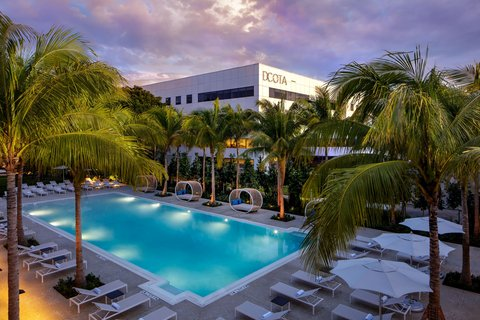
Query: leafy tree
x=140, y=100
x=277, y=133
x=454, y=199
x=413, y=136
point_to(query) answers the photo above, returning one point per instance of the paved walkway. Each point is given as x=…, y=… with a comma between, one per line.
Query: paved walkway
x=42, y=302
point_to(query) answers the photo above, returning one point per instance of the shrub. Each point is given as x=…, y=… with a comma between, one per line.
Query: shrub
x=452, y=279
x=208, y=204
x=65, y=286
x=286, y=218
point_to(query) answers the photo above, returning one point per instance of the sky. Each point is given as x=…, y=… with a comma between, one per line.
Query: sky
x=157, y=40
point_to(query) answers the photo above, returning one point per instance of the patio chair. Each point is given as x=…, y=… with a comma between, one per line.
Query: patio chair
x=26, y=232
x=59, y=190
x=53, y=183
x=351, y=254
x=85, y=296
x=325, y=281
x=40, y=185
x=44, y=247
x=28, y=193
x=306, y=297
x=349, y=313
x=392, y=304
x=50, y=187
x=87, y=186
x=49, y=269
x=367, y=244
x=39, y=191
x=256, y=312
x=107, y=311
x=161, y=314
x=24, y=186
x=37, y=258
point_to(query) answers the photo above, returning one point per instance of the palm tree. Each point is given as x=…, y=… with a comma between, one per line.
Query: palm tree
x=278, y=134
x=238, y=123
x=209, y=127
x=166, y=122
x=38, y=73
x=91, y=137
x=413, y=138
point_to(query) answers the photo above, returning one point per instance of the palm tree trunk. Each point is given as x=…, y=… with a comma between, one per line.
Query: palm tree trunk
x=12, y=243
x=465, y=277
x=177, y=155
x=326, y=153
x=79, y=271
x=21, y=234
x=434, y=309
x=212, y=196
x=204, y=165
x=476, y=212
x=165, y=183
x=237, y=179
x=281, y=165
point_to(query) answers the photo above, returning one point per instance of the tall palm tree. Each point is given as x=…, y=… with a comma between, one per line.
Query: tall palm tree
x=278, y=134
x=38, y=73
x=209, y=126
x=91, y=137
x=412, y=139
x=238, y=123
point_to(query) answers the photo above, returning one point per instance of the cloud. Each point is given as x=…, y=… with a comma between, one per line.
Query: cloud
x=161, y=39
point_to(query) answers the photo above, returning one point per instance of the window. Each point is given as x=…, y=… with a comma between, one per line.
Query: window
x=178, y=100
x=226, y=94
x=189, y=98
x=168, y=101
x=285, y=95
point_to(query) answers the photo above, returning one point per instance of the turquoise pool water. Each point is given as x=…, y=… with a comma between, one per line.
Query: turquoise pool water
x=194, y=251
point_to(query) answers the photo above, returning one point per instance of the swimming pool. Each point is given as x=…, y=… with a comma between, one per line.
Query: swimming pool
x=193, y=251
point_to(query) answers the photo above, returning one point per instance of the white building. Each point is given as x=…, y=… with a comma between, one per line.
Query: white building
x=241, y=85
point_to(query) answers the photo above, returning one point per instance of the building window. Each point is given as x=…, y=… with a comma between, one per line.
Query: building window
x=178, y=100
x=189, y=98
x=168, y=101
x=226, y=94
x=286, y=95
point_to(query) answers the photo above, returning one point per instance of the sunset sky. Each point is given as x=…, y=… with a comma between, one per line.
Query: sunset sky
x=157, y=40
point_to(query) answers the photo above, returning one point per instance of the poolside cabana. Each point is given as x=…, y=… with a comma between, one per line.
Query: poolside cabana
x=146, y=183
x=188, y=190
x=246, y=200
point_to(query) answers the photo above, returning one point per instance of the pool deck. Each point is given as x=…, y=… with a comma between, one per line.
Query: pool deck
x=42, y=302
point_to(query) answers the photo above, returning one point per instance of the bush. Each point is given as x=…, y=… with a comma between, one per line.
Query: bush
x=452, y=279
x=208, y=204
x=65, y=286
x=286, y=218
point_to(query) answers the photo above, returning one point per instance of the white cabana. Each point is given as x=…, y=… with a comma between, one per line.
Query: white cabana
x=188, y=190
x=146, y=183
x=246, y=199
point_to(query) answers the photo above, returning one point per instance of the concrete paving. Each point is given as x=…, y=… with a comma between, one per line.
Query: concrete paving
x=42, y=302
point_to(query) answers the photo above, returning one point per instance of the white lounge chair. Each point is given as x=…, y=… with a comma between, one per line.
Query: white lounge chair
x=107, y=311
x=40, y=184
x=37, y=258
x=39, y=191
x=367, y=244
x=161, y=314
x=306, y=297
x=326, y=281
x=53, y=183
x=26, y=232
x=257, y=312
x=87, y=186
x=28, y=193
x=59, y=190
x=349, y=313
x=392, y=304
x=44, y=247
x=49, y=187
x=49, y=269
x=24, y=186
x=85, y=296
x=351, y=254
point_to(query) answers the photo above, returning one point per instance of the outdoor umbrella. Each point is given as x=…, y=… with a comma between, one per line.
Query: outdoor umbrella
x=410, y=244
x=391, y=278
x=421, y=224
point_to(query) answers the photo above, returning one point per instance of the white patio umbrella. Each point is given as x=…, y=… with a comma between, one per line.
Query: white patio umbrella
x=410, y=244
x=391, y=278
x=421, y=224
x=63, y=168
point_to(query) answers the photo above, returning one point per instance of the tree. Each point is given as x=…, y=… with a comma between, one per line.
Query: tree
x=277, y=133
x=238, y=124
x=209, y=127
x=38, y=74
x=140, y=100
x=91, y=137
x=413, y=136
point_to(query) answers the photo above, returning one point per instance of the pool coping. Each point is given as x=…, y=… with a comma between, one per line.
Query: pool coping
x=154, y=281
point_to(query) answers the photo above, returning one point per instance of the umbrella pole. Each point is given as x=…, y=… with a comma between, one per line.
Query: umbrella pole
x=380, y=306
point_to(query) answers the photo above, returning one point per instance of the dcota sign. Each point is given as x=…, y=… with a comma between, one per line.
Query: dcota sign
x=273, y=77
